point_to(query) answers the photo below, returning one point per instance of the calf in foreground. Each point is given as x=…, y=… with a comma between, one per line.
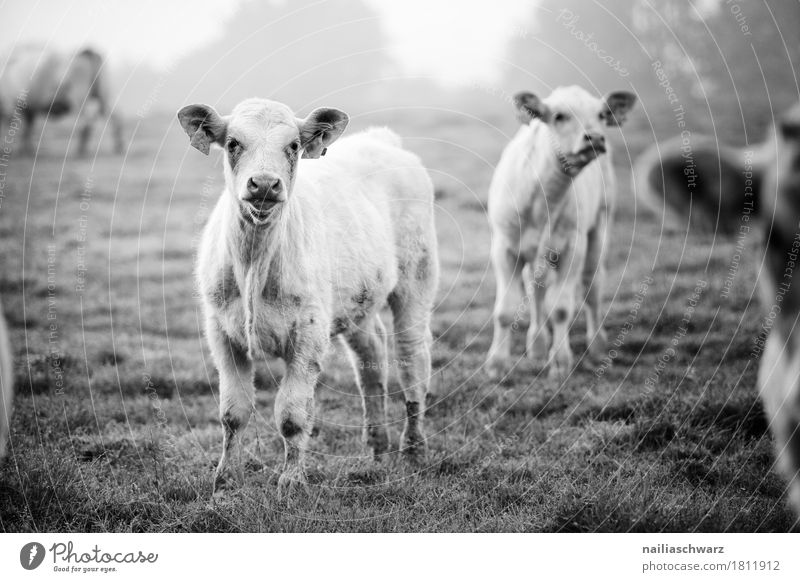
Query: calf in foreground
x=39, y=81
x=296, y=252
x=6, y=386
x=737, y=191
x=550, y=205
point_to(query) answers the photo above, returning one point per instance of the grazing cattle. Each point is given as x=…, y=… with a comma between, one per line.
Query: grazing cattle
x=37, y=81
x=6, y=386
x=736, y=191
x=549, y=210
x=299, y=251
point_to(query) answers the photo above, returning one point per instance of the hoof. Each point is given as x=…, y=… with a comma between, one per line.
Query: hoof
x=225, y=480
x=597, y=349
x=222, y=485
x=539, y=361
x=496, y=368
x=538, y=348
x=377, y=440
x=559, y=370
x=291, y=482
x=414, y=449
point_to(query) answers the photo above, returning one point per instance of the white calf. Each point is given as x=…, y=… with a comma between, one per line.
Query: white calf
x=38, y=81
x=6, y=385
x=549, y=209
x=738, y=190
x=297, y=252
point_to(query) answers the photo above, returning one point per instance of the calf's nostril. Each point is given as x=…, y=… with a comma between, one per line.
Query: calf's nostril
x=252, y=186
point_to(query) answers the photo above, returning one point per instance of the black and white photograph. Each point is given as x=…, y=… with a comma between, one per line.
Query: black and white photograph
x=411, y=267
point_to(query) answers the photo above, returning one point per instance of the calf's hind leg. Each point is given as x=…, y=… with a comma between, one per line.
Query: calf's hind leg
x=412, y=313
x=593, y=278
x=369, y=346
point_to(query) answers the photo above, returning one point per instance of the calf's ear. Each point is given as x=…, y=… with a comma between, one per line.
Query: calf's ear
x=203, y=125
x=617, y=106
x=320, y=129
x=529, y=106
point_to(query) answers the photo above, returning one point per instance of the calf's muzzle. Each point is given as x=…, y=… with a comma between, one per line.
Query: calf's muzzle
x=265, y=187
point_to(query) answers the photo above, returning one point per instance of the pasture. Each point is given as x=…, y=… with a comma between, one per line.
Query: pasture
x=116, y=427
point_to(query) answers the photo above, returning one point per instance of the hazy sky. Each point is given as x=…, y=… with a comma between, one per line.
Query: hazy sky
x=455, y=42
x=154, y=32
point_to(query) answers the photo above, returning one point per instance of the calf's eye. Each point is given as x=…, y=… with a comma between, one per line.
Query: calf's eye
x=559, y=117
x=233, y=145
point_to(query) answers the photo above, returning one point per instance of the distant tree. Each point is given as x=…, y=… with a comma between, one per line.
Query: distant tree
x=725, y=60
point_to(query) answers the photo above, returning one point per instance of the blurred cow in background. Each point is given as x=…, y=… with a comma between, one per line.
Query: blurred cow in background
x=733, y=190
x=6, y=387
x=37, y=81
x=550, y=204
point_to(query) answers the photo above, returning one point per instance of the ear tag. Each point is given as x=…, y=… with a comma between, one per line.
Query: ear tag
x=324, y=151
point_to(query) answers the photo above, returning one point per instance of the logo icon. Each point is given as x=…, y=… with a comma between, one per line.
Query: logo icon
x=31, y=555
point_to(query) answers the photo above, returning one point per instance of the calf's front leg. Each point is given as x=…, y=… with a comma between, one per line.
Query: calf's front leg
x=560, y=304
x=294, y=403
x=537, y=339
x=593, y=278
x=236, y=393
x=509, y=302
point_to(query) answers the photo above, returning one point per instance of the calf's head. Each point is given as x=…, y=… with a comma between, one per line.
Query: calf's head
x=262, y=141
x=576, y=121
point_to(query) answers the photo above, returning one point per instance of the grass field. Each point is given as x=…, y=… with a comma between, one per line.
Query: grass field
x=116, y=427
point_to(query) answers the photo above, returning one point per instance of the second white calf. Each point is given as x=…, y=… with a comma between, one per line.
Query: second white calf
x=550, y=204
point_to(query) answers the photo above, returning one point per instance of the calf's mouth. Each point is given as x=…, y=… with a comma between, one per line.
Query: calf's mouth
x=259, y=212
x=572, y=163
